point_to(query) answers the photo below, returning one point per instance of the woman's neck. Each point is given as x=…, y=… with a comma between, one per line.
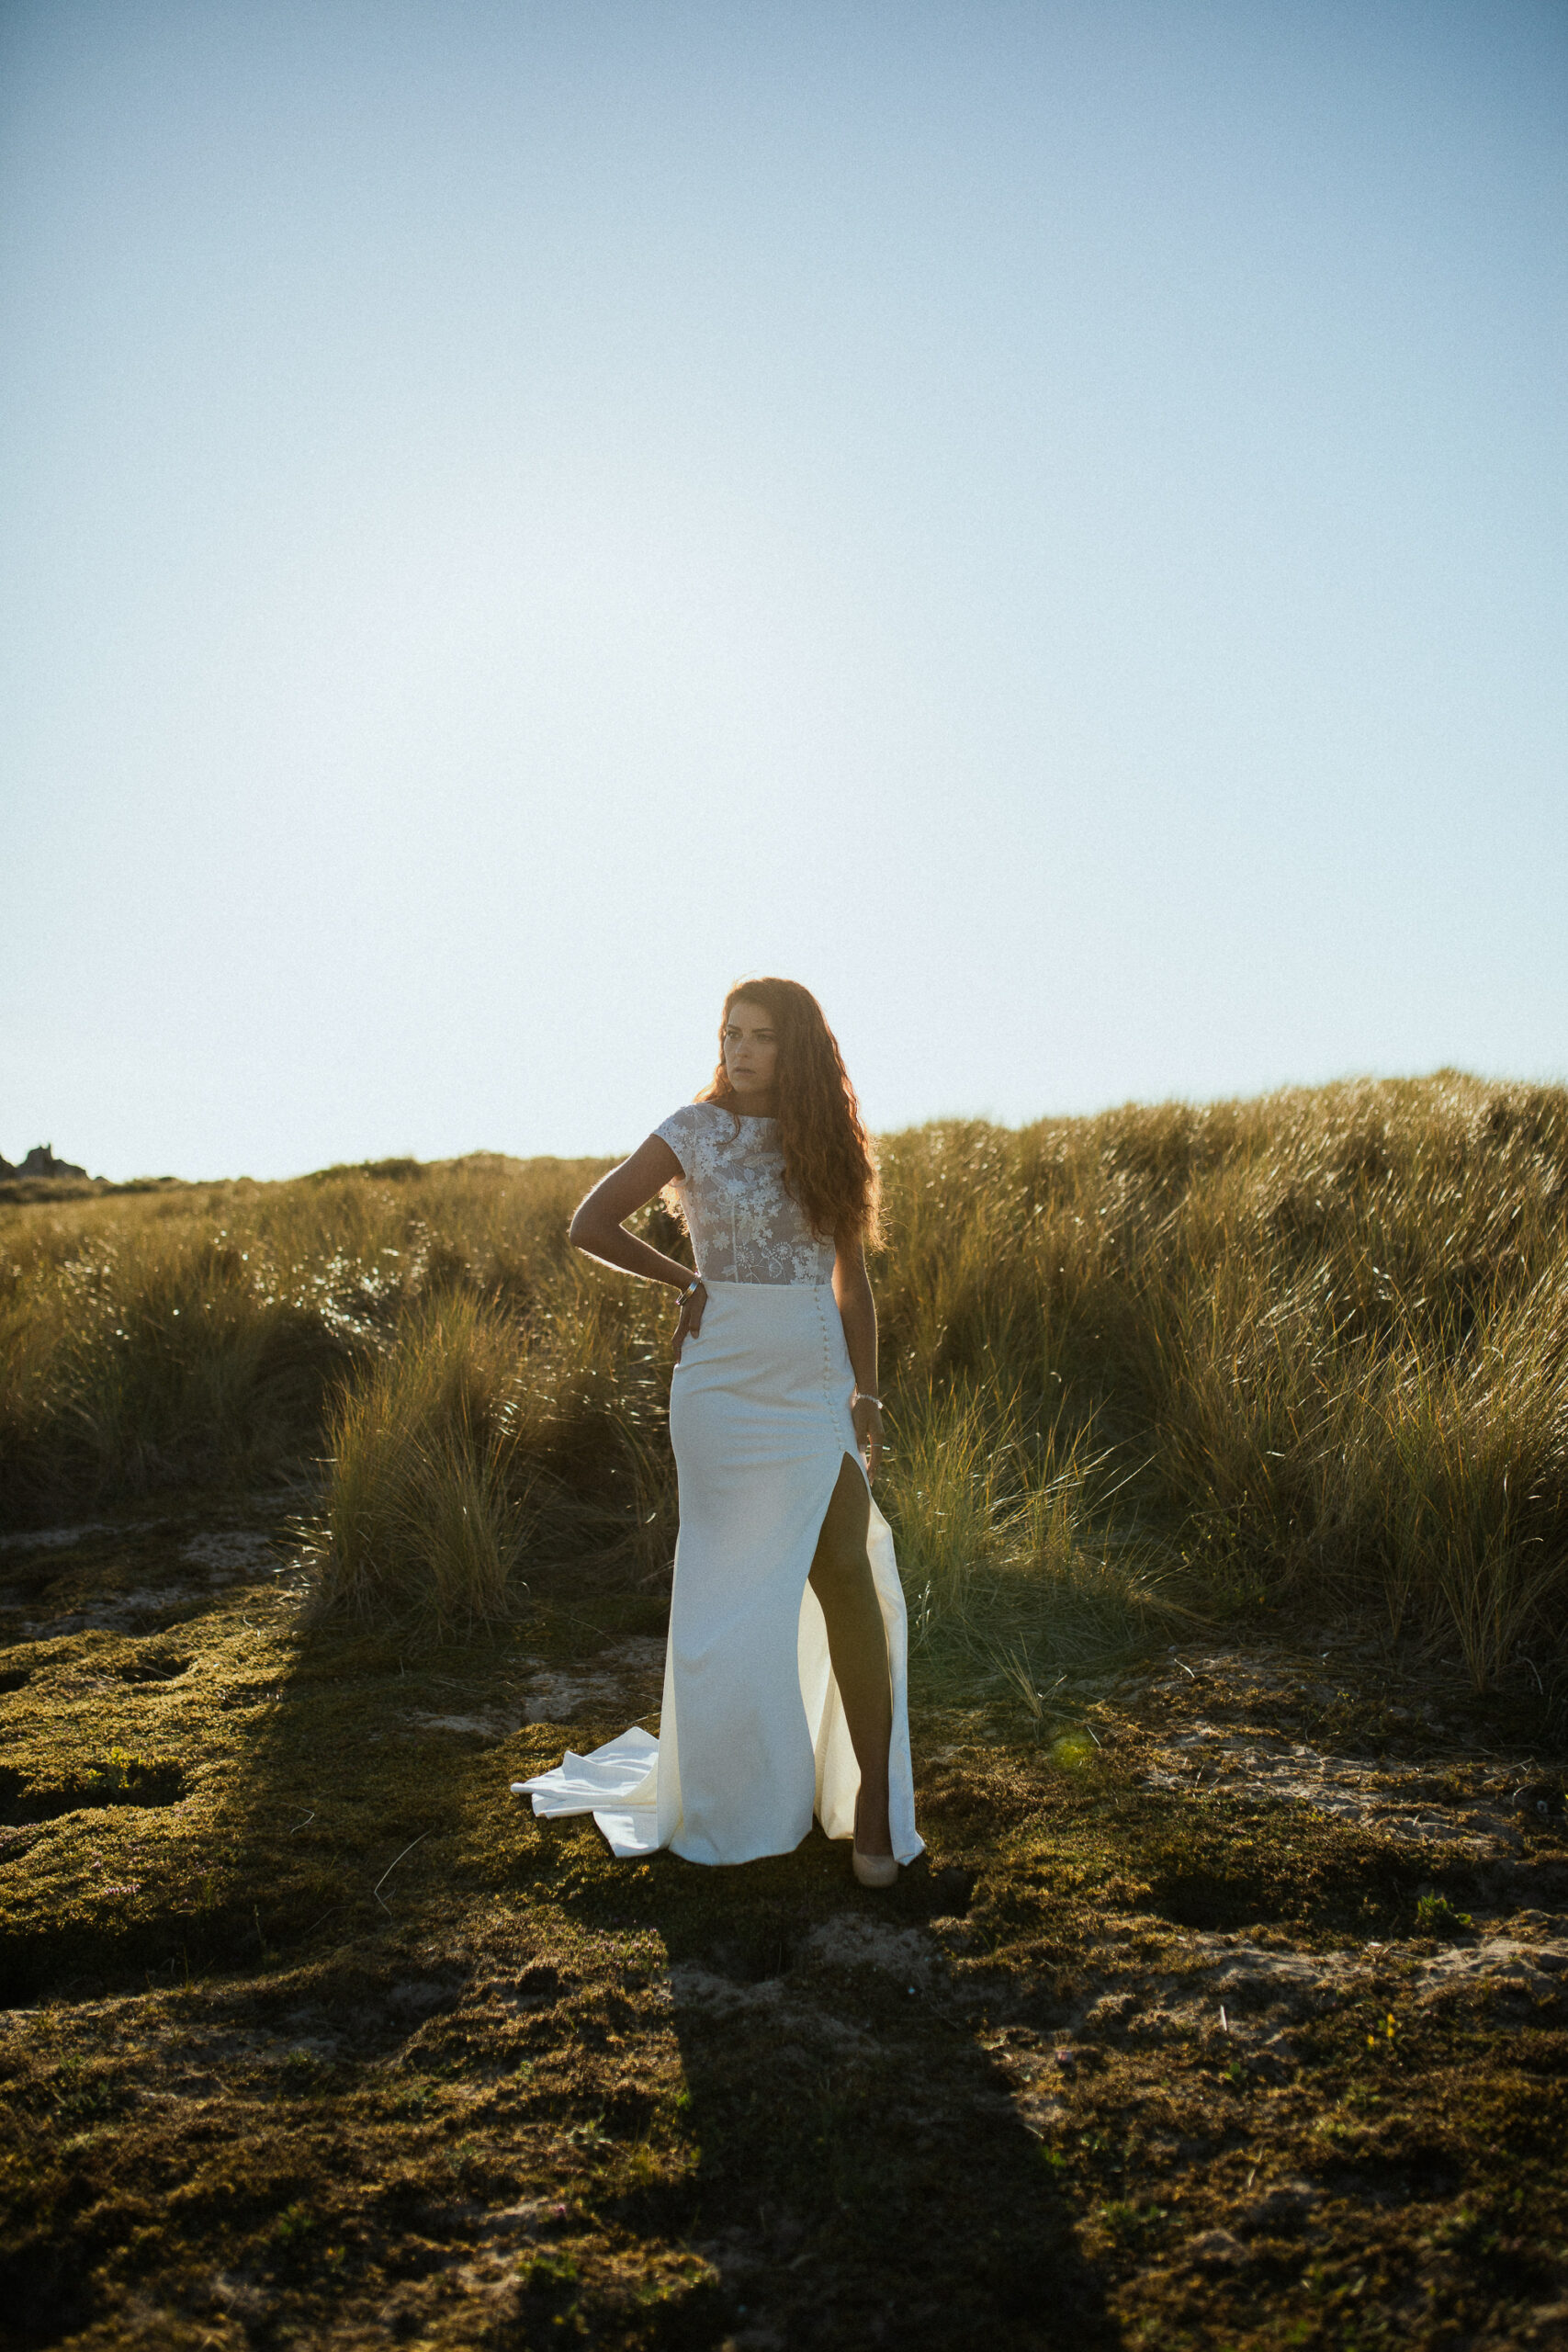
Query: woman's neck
x=755, y=1103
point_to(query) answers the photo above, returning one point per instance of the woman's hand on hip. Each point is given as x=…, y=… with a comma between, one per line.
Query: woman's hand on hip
x=690, y=1321
x=866, y=1415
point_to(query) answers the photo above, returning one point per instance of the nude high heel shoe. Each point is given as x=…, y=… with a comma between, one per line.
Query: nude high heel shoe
x=872, y=1869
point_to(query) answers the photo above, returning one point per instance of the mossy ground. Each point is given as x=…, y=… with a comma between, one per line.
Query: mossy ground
x=316, y=2037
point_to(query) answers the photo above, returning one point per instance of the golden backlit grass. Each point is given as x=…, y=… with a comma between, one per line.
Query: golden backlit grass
x=1307, y=1351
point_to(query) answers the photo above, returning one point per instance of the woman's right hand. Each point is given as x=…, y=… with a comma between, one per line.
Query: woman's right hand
x=690, y=1317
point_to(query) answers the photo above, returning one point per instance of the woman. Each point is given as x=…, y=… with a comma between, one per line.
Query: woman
x=785, y=1672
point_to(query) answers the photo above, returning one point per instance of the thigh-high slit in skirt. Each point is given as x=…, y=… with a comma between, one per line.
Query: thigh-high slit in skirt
x=753, y=1739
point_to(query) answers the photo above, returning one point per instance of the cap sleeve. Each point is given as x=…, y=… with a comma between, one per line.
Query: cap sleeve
x=677, y=1132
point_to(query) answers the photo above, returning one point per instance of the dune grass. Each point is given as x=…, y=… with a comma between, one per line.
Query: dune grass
x=196, y=1336
x=1309, y=1352
x=423, y=1507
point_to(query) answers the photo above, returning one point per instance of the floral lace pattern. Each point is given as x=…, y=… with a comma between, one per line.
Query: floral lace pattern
x=744, y=1226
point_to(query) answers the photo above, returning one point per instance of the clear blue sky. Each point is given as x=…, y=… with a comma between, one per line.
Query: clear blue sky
x=1046, y=522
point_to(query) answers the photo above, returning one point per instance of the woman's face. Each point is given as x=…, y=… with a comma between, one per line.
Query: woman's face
x=751, y=1048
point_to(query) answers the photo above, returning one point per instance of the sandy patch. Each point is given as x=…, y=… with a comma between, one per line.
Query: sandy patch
x=628, y=1678
x=232, y=1552
x=54, y=1539
x=1205, y=1755
x=116, y=1614
x=491, y=1727
x=625, y=1682
x=851, y=1941
x=1225, y=1986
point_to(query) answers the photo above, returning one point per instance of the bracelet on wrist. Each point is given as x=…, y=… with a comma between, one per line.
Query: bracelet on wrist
x=864, y=1397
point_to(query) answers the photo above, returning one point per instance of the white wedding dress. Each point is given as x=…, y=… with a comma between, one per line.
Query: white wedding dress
x=752, y=1738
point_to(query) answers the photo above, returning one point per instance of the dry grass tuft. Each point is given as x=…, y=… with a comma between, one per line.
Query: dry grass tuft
x=424, y=1514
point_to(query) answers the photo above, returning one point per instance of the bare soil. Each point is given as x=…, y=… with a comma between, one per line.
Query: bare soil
x=1229, y=2013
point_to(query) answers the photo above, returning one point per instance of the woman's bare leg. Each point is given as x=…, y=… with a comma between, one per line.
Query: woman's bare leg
x=857, y=1643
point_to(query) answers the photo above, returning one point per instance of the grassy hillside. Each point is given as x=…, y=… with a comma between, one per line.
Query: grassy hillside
x=1229, y=2005
x=1165, y=1363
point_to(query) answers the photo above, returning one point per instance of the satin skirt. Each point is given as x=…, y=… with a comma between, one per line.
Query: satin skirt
x=753, y=1739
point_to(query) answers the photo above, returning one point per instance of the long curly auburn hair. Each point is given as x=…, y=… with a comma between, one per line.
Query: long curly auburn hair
x=829, y=1167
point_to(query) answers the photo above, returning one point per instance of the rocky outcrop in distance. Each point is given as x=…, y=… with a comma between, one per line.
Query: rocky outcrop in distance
x=40, y=1161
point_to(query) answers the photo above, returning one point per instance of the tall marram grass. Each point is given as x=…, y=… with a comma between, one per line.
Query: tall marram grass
x=1008, y=1542
x=1325, y=1332
x=423, y=1516
x=198, y=1335
x=1306, y=1351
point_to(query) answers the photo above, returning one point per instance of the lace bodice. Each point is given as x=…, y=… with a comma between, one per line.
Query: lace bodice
x=744, y=1226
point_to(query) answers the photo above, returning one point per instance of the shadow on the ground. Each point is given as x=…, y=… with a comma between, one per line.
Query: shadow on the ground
x=862, y=2175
